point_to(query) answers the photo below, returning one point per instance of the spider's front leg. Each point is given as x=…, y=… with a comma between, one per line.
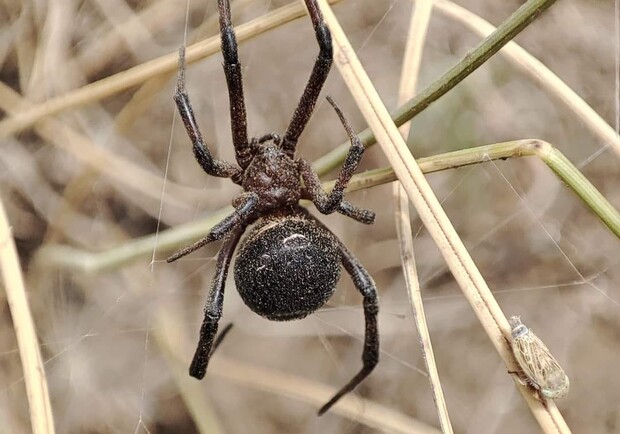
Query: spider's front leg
x=319, y=74
x=244, y=205
x=213, y=308
x=234, y=81
x=212, y=166
x=370, y=357
x=329, y=203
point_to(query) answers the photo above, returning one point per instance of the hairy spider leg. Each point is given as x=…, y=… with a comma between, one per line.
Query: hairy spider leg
x=318, y=76
x=345, y=208
x=213, y=307
x=234, y=81
x=328, y=203
x=245, y=205
x=362, y=215
x=212, y=166
x=370, y=356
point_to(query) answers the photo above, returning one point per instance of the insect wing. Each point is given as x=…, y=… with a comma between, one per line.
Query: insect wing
x=539, y=366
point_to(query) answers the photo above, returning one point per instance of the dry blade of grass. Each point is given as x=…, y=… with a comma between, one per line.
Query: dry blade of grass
x=129, y=78
x=109, y=42
x=431, y=213
x=114, y=167
x=41, y=416
x=416, y=38
x=142, y=99
x=135, y=37
x=522, y=60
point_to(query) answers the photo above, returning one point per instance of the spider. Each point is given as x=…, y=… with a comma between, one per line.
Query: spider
x=289, y=264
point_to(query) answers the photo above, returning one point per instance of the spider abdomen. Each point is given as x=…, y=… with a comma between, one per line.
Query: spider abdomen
x=287, y=268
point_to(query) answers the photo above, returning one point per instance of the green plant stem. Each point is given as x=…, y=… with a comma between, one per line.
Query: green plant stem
x=468, y=64
x=550, y=155
x=580, y=185
x=68, y=257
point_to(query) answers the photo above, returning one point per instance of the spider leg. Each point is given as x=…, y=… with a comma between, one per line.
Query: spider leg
x=356, y=213
x=323, y=201
x=244, y=206
x=329, y=203
x=234, y=80
x=212, y=166
x=370, y=357
x=213, y=308
x=318, y=76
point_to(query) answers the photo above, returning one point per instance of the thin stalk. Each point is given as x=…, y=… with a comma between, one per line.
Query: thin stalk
x=77, y=259
x=80, y=260
x=579, y=184
x=41, y=416
x=550, y=155
x=416, y=37
x=117, y=168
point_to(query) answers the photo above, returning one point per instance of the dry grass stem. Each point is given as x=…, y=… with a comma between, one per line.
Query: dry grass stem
x=137, y=35
x=124, y=172
x=41, y=416
x=98, y=52
x=142, y=99
x=138, y=74
x=412, y=60
x=354, y=408
x=431, y=213
x=538, y=72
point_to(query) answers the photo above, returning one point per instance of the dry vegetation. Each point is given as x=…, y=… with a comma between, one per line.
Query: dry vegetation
x=116, y=343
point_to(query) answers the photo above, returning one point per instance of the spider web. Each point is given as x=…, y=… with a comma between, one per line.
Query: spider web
x=544, y=257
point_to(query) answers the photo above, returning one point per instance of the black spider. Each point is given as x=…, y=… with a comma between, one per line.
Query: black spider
x=289, y=263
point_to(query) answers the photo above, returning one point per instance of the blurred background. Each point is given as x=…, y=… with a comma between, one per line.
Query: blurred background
x=117, y=338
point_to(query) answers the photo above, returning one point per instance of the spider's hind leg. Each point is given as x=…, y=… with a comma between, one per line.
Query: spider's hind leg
x=370, y=356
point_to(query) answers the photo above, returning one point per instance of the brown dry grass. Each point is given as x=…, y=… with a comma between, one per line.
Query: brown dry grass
x=544, y=255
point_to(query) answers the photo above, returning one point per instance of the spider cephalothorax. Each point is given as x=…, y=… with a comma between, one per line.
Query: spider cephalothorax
x=289, y=263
